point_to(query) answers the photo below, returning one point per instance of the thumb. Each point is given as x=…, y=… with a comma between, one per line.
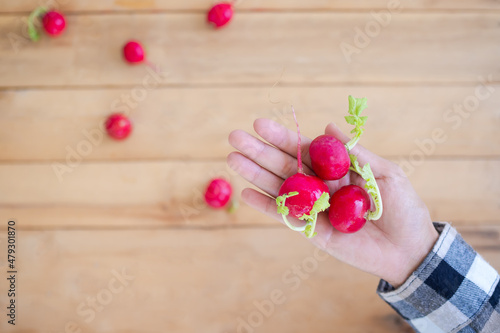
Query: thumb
x=379, y=165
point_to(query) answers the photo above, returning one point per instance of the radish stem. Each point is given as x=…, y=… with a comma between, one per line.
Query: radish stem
x=356, y=106
x=283, y=210
x=312, y=199
x=370, y=186
x=32, y=32
x=320, y=205
x=300, y=169
x=308, y=229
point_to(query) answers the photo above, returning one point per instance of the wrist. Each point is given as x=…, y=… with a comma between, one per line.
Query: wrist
x=412, y=258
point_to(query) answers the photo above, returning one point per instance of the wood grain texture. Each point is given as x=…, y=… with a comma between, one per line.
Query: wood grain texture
x=137, y=205
x=194, y=123
x=413, y=48
x=191, y=281
x=169, y=194
x=202, y=5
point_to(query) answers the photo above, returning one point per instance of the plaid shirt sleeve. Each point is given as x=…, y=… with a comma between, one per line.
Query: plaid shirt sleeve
x=453, y=290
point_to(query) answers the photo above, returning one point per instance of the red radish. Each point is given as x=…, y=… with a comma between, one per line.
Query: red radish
x=118, y=126
x=53, y=23
x=133, y=52
x=218, y=193
x=311, y=190
x=348, y=208
x=302, y=196
x=329, y=157
x=220, y=14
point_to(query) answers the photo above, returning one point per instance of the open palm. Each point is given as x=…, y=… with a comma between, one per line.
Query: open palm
x=390, y=248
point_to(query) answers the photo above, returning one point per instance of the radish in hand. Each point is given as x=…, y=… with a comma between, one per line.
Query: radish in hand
x=53, y=23
x=349, y=206
x=220, y=14
x=331, y=160
x=302, y=196
x=329, y=156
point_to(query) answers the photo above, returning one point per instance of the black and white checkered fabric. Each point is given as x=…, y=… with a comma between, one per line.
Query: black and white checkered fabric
x=453, y=290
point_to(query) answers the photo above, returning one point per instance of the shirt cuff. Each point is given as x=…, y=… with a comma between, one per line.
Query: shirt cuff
x=448, y=290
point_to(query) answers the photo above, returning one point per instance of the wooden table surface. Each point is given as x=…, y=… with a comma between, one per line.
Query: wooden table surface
x=114, y=237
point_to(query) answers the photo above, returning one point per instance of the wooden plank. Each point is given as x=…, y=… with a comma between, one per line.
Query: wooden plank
x=167, y=5
x=189, y=281
x=49, y=125
x=169, y=194
x=134, y=194
x=459, y=188
x=412, y=48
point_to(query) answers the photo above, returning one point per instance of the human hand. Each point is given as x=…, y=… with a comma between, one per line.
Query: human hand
x=390, y=248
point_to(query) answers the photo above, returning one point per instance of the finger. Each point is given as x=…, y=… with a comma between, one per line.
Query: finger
x=283, y=138
x=332, y=129
x=265, y=205
x=380, y=166
x=254, y=173
x=261, y=203
x=270, y=158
